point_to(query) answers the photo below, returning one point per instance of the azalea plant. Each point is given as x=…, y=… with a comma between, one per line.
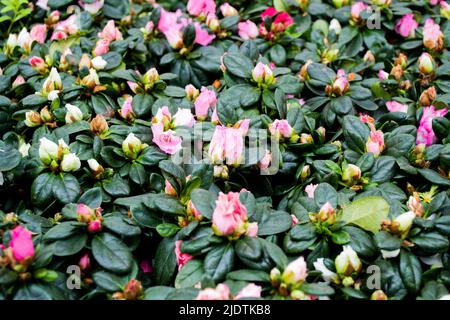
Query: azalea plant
x=224, y=150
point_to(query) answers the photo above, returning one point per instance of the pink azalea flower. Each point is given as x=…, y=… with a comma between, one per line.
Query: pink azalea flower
x=229, y=215
x=92, y=7
x=432, y=35
x=249, y=291
x=101, y=47
x=394, y=106
x=425, y=133
x=406, y=26
x=207, y=99
x=110, y=32
x=167, y=141
x=38, y=33
x=201, y=7
x=202, y=37
x=281, y=128
x=221, y=292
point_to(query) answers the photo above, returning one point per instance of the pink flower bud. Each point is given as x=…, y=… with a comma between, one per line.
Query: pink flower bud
x=84, y=213
x=182, y=258
x=95, y=226
x=227, y=10
x=295, y=273
x=375, y=143
x=248, y=30
x=85, y=262
x=101, y=47
x=206, y=100
x=21, y=244
x=110, y=32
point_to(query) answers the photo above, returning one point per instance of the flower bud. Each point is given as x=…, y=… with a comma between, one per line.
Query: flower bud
x=99, y=124
x=84, y=213
x=427, y=97
x=85, y=62
x=32, y=119
x=262, y=74
x=221, y=172
x=295, y=273
x=91, y=80
x=94, y=165
x=383, y=75
x=99, y=63
x=191, y=92
x=132, y=146
x=378, y=295
x=444, y=10
x=52, y=83
x=415, y=205
x=401, y=60
x=335, y=26
x=306, y=172
x=275, y=276
x=426, y=63
x=402, y=224
x=327, y=213
x=85, y=262
x=347, y=262
x=369, y=57
x=397, y=72
x=38, y=64
x=48, y=150
x=133, y=290
x=340, y=85
x=213, y=23
x=73, y=114
x=70, y=162
x=340, y=3
x=351, y=173
x=150, y=77
x=169, y=189
x=330, y=55
x=95, y=226
x=227, y=10
x=306, y=138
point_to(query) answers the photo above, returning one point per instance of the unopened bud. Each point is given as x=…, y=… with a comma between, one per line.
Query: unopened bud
x=32, y=119
x=426, y=63
x=378, y=295
x=99, y=125
x=347, y=262
x=427, y=97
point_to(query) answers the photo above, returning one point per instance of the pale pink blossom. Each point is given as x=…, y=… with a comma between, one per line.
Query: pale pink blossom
x=394, y=106
x=167, y=141
x=432, y=35
x=207, y=99
x=281, y=128
x=221, y=292
x=406, y=26
x=101, y=47
x=247, y=30
x=70, y=26
x=356, y=9
x=201, y=7
x=127, y=108
x=310, y=189
x=227, y=10
x=183, y=117
x=229, y=215
x=383, y=75
x=110, y=32
x=92, y=7
x=249, y=291
x=38, y=33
